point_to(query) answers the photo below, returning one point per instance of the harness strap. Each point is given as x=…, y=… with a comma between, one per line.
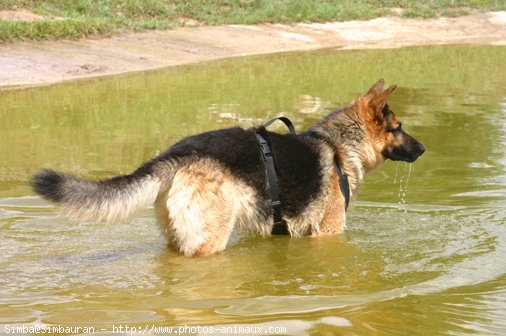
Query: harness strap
x=286, y=121
x=279, y=227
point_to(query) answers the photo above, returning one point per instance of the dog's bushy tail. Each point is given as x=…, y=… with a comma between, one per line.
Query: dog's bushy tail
x=112, y=200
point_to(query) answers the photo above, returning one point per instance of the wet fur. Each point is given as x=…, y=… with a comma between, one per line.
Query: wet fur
x=206, y=185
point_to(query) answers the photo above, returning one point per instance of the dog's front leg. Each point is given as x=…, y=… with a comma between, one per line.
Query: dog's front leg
x=334, y=215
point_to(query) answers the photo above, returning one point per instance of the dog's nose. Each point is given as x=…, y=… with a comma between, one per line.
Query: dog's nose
x=421, y=148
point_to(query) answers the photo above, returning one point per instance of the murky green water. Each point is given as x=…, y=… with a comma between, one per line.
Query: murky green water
x=425, y=248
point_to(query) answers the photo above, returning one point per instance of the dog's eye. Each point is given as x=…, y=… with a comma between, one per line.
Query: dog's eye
x=393, y=130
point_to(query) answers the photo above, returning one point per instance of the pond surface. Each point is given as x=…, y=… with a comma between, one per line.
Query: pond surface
x=424, y=252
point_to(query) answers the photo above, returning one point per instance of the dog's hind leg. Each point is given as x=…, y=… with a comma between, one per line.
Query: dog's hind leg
x=200, y=209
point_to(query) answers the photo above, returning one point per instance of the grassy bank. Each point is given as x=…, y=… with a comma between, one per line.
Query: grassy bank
x=79, y=18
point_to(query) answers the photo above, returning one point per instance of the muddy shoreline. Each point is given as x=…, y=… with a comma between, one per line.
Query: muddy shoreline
x=24, y=64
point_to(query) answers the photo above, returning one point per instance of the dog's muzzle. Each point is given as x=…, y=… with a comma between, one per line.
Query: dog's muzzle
x=408, y=151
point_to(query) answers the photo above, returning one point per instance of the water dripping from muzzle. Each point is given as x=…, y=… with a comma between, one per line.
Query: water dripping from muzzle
x=405, y=191
x=403, y=182
x=396, y=172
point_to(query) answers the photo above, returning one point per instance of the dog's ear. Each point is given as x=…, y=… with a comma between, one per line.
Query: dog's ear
x=379, y=101
x=375, y=90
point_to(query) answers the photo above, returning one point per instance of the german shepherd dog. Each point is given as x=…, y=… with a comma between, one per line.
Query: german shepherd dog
x=207, y=184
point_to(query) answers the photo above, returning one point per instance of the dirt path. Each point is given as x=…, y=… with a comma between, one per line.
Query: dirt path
x=39, y=63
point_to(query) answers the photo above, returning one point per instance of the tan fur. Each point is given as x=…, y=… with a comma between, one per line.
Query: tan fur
x=200, y=208
x=369, y=109
x=334, y=218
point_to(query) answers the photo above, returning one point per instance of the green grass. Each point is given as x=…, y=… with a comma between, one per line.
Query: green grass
x=74, y=19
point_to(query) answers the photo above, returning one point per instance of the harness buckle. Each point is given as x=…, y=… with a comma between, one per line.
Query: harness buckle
x=266, y=150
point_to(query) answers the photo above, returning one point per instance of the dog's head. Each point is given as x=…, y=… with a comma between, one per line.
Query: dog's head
x=385, y=131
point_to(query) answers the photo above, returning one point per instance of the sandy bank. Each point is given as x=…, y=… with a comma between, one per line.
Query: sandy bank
x=39, y=63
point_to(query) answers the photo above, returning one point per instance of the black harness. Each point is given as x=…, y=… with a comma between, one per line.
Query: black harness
x=279, y=227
